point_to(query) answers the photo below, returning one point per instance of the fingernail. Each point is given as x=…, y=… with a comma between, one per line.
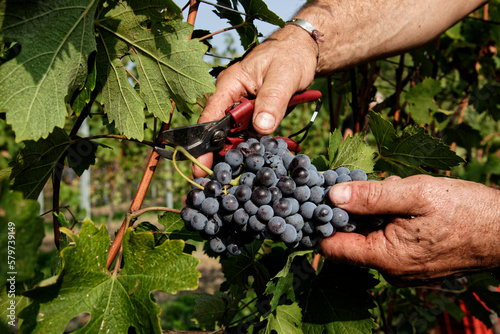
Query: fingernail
x=265, y=121
x=340, y=194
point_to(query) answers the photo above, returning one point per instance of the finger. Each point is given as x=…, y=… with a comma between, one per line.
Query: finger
x=205, y=159
x=232, y=85
x=352, y=248
x=273, y=98
x=398, y=197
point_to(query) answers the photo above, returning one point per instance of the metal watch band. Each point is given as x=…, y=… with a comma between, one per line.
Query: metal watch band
x=307, y=27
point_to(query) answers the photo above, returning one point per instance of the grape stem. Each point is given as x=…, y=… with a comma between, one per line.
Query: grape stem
x=182, y=174
x=194, y=160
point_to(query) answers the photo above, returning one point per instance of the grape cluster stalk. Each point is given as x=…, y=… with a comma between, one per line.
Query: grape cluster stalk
x=261, y=191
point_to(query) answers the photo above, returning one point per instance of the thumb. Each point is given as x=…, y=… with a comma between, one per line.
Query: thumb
x=397, y=197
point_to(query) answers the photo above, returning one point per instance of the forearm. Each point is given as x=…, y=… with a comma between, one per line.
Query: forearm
x=356, y=31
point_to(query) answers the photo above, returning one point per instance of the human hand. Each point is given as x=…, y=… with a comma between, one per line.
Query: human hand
x=272, y=72
x=441, y=227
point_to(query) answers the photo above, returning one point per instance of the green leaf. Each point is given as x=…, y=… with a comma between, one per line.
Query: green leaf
x=352, y=153
x=286, y=319
x=56, y=39
x=337, y=300
x=115, y=301
x=36, y=162
x=83, y=96
x=81, y=155
x=411, y=152
x=21, y=233
x=216, y=309
x=169, y=65
x=420, y=99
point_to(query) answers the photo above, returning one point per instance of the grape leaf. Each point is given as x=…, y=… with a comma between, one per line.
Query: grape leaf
x=81, y=155
x=286, y=319
x=22, y=217
x=255, y=9
x=409, y=153
x=420, y=100
x=56, y=39
x=219, y=308
x=36, y=161
x=174, y=227
x=83, y=96
x=352, y=153
x=170, y=66
x=337, y=300
x=115, y=302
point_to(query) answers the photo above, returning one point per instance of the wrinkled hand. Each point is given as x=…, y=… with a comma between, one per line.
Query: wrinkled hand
x=272, y=72
x=442, y=227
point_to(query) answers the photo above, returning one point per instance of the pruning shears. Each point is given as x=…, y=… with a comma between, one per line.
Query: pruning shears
x=226, y=133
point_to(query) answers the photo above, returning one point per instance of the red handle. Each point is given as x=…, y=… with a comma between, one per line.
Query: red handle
x=305, y=96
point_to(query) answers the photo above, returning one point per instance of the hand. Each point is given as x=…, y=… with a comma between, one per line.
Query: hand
x=441, y=227
x=273, y=72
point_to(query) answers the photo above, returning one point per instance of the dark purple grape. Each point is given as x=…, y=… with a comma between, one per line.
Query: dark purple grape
x=358, y=175
x=287, y=185
x=224, y=177
x=250, y=208
x=265, y=213
x=302, y=193
x=322, y=214
x=308, y=241
x=243, y=193
x=289, y=234
x=240, y=217
x=213, y=188
x=247, y=178
x=199, y=222
x=342, y=170
x=210, y=206
x=212, y=227
x=261, y=196
x=187, y=213
x=325, y=230
x=233, y=248
x=340, y=217
x=343, y=178
x=307, y=210
x=230, y=203
x=300, y=160
x=276, y=225
x=266, y=177
x=296, y=220
x=233, y=158
x=217, y=245
x=275, y=193
x=255, y=224
x=330, y=177
x=300, y=175
x=317, y=195
x=309, y=227
x=282, y=207
x=195, y=197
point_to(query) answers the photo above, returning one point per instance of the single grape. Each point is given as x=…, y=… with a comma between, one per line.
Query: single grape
x=358, y=175
x=308, y=241
x=250, y=208
x=340, y=217
x=282, y=207
x=307, y=210
x=275, y=193
x=275, y=161
x=321, y=181
x=265, y=212
x=343, y=178
x=317, y=195
x=187, y=213
x=296, y=220
x=224, y=177
x=300, y=175
x=287, y=185
x=342, y=170
x=261, y=196
x=230, y=203
x=295, y=205
x=266, y=177
x=350, y=227
x=199, y=222
x=300, y=235
x=210, y=206
x=322, y=214
x=212, y=227
x=271, y=145
x=217, y=245
x=313, y=178
x=309, y=227
x=258, y=148
x=247, y=178
x=325, y=230
x=302, y=193
x=240, y=217
x=195, y=197
x=243, y=193
x=276, y=225
x=221, y=166
x=234, y=158
x=213, y=188
x=289, y=234
x=255, y=224
x=282, y=144
x=300, y=160
x=254, y=162
x=233, y=248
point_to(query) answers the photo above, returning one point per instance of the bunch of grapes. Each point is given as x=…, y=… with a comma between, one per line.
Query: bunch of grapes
x=261, y=191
